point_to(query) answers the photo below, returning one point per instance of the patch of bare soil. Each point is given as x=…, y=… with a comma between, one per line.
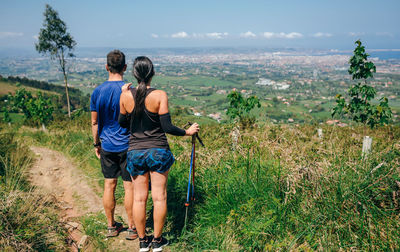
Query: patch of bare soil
x=58, y=176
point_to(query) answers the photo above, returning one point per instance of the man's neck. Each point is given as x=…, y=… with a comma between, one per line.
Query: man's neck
x=115, y=76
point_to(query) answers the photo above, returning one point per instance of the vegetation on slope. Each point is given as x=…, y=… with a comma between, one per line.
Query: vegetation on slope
x=281, y=188
x=28, y=218
x=55, y=92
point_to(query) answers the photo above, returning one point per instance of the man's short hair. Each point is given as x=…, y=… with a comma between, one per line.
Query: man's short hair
x=116, y=61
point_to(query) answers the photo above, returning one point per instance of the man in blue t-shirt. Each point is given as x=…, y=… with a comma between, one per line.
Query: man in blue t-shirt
x=111, y=142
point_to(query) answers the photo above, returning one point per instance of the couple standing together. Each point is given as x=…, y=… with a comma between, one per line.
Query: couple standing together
x=128, y=127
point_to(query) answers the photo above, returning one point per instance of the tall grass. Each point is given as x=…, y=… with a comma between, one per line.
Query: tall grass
x=287, y=189
x=28, y=218
x=282, y=188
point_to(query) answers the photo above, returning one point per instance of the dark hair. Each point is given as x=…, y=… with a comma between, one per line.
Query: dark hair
x=143, y=71
x=116, y=61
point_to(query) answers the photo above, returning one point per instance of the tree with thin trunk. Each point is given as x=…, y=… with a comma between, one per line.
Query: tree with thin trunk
x=360, y=108
x=57, y=42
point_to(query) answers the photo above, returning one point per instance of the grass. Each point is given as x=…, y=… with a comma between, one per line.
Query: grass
x=285, y=188
x=94, y=226
x=282, y=188
x=6, y=88
x=29, y=221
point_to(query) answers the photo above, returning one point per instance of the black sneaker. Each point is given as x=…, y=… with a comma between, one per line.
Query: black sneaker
x=145, y=243
x=159, y=243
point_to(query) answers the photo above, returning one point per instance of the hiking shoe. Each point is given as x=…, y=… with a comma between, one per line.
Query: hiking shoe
x=159, y=243
x=132, y=234
x=114, y=231
x=145, y=243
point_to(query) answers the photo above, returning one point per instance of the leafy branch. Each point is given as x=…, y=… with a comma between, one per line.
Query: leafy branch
x=359, y=108
x=240, y=107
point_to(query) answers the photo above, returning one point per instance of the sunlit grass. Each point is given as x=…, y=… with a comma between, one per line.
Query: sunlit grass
x=282, y=187
x=28, y=218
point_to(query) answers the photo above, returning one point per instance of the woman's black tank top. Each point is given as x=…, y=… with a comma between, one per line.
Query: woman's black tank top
x=145, y=129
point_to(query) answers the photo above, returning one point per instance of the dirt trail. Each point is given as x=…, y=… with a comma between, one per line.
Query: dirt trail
x=58, y=176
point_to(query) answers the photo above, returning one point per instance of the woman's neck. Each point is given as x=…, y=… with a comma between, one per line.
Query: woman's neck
x=147, y=86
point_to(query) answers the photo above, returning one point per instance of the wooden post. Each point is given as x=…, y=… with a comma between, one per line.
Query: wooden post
x=367, y=145
x=320, y=134
x=235, y=134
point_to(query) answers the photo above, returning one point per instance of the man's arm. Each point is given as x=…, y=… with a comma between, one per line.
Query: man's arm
x=95, y=133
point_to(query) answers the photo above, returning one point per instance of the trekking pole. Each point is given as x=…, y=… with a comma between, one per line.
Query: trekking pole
x=191, y=178
x=190, y=197
x=194, y=163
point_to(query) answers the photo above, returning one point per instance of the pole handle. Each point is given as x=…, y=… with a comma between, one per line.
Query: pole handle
x=195, y=135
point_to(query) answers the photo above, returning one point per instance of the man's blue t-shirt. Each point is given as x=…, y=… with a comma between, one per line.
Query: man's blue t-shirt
x=105, y=101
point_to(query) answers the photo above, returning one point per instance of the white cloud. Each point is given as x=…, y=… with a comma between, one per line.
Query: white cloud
x=291, y=35
x=181, y=34
x=217, y=35
x=268, y=35
x=153, y=35
x=198, y=35
x=356, y=34
x=247, y=34
x=210, y=35
x=10, y=34
x=321, y=35
x=384, y=34
x=35, y=37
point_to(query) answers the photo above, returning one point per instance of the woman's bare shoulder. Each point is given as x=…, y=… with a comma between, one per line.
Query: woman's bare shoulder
x=158, y=94
x=126, y=95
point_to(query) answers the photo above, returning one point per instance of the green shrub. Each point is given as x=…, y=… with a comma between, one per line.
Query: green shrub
x=359, y=108
x=240, y=107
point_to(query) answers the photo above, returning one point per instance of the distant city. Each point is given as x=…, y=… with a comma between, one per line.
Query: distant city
x=300, y=83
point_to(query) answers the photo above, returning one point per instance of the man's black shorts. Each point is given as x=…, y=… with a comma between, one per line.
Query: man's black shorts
x=113, y=165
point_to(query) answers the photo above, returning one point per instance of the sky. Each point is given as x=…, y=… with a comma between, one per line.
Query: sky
x=318, y=24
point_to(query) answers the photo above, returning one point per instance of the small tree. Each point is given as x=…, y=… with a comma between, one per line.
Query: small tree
x=240, y=107
x=6, y=116
x=56, y=41
x=360, y=108
x=37, y=110
x=42, y=110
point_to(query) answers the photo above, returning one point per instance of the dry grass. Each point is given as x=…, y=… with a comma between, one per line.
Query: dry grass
x=6, y=88
x=28, y=218
x=281, y=188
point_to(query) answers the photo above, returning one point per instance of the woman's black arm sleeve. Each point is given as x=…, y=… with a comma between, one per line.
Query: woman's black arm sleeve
x=168, y=127
x=124, y=120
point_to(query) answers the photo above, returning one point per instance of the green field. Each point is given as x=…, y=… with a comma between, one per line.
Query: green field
x=207, y=95
x=7, y=88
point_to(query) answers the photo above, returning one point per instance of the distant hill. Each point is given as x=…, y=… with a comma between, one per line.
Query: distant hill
x=7, y=88
x=78, y=99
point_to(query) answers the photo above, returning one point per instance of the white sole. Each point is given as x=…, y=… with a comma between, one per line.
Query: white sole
x=160, y=248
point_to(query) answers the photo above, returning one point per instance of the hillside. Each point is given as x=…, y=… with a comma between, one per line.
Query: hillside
x=7, y=87
x=276, y=187
x=55, y=92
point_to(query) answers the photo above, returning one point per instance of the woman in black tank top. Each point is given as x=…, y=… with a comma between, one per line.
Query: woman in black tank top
x=144, y=111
